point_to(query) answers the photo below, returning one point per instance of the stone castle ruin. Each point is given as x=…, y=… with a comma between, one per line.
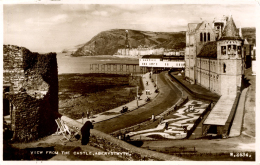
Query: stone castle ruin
x=30, y=92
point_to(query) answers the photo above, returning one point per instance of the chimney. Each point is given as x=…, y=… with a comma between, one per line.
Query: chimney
x=220, y=32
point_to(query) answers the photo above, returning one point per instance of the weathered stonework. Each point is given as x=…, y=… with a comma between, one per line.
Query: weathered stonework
x=31, y=88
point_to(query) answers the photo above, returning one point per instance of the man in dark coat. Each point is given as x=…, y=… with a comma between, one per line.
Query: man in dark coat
x=85, y=132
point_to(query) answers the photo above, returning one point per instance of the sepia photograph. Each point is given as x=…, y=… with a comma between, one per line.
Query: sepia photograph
x=129, y=81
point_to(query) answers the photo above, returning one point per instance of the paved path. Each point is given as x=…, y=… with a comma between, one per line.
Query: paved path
x=238, y=120
x=168, y=96
x=131, y=105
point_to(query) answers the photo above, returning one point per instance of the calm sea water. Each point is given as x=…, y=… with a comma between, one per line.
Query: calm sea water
x=68, y=64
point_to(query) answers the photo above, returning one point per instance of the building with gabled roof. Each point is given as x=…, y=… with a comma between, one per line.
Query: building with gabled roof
x=211, y=51
x=196, y=36
x=214, y=59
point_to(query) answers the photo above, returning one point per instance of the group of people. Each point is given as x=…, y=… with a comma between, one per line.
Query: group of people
x=147, y=91
x=124, y=109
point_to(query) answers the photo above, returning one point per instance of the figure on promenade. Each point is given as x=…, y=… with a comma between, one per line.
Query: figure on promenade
x=85, y=132
x=87, y=115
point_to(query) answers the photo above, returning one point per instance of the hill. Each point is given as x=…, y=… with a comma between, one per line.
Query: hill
x=108, y=42
x=249, y=34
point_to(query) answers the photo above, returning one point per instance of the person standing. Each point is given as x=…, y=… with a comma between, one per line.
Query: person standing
x=166, y=125
x=87, y=115
x=85, y=132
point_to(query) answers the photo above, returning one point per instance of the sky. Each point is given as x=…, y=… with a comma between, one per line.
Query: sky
x=46, y=27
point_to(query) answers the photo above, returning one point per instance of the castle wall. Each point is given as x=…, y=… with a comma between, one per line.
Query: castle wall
x=13, y=72
x=33, y=94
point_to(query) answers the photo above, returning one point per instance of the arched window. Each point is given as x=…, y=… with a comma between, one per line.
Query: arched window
x=208, y=36
x=224, y=68
x=205, y=37
x=201, y=37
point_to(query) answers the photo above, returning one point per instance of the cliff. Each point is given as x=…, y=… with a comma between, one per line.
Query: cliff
x=108, y=42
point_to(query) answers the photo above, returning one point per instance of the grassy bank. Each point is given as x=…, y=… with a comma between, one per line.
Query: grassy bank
x=249, y=114
x=95, y=93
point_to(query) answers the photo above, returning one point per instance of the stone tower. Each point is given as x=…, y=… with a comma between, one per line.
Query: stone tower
x=229, y=57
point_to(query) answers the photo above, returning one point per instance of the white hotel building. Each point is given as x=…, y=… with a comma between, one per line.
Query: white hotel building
x=162, y=61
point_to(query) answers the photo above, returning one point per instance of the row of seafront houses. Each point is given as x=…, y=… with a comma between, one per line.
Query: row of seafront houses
x=149, y=51
x=30, y=80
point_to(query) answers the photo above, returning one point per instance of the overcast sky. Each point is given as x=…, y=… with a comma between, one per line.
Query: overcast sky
x=46, y=28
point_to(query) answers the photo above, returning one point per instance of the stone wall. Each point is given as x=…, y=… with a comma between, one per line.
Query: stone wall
x=13, y=72
x=33, y=94
x=110, y=144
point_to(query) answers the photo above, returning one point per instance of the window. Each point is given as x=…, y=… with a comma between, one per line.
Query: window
x=208, y=36
x=229, y=49
x=201, y=37
x=223, y=50
x=205, y=37
x=234, y=49
x=239, y=50
x=224, y=68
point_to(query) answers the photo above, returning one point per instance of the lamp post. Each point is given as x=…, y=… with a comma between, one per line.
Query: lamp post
x=137, y=96
x=156, y=81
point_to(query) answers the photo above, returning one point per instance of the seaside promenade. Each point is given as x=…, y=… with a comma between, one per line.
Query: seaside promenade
x=132, y=106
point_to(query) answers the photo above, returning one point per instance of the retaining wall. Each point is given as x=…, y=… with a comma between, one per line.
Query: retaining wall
x=109, y=143
x=193, y=94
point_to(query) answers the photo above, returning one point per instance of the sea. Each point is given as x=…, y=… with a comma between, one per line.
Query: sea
x=69, y=64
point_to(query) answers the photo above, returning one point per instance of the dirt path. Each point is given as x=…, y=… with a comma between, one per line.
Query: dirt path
x=168, y=95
